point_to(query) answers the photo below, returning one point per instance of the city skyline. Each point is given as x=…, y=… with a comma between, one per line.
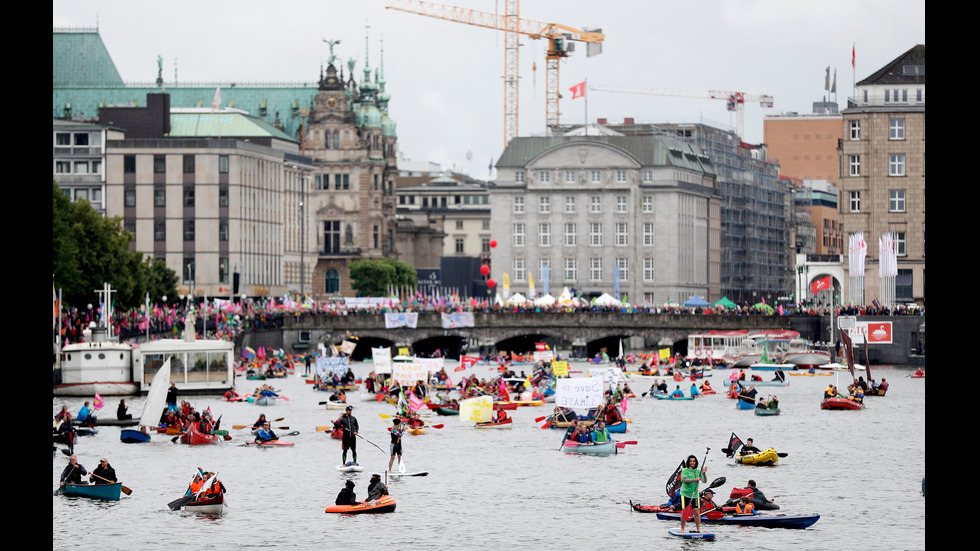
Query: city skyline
x=445, y=78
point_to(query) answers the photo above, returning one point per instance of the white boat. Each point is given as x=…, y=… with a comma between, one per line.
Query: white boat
x=214, y=506
x=198, y=365
x=100, y=365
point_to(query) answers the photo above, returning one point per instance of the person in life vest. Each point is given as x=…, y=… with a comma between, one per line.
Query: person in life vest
x=600, y=433
x=707, y=503
x=501, y=416
x=857, y=394
x=829, y=392
x=705, y=386
x=215, y=488
x=744, y=507
x=677, y=393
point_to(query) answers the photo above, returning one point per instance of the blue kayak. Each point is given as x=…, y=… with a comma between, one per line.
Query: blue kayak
x=665, y=396
x=762, y=520
x=707, y=536
x=131, y=436
x=742, y=404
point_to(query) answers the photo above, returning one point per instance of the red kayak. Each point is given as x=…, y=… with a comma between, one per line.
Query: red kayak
x=649, y=508
x=195, y=437
x=270, y=443
x=840, y=403
x=505, y=424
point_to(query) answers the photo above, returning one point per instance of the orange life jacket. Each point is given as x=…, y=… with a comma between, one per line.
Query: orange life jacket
x=747, y=509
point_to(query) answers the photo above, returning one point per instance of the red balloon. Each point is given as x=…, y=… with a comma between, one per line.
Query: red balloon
x=491, y=283
x=484, y=269
x=493, y=243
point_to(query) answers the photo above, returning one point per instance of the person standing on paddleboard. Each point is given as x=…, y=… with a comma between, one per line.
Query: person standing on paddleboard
x=348, y=423
x=690, y=477
x=396, y=442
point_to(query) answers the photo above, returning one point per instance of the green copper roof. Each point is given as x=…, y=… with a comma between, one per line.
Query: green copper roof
x=222, y=124
x=81, y=58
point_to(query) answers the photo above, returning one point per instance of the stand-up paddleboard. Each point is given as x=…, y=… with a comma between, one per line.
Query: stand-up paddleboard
x=708, y=536
x=350, y=468
x=420, y=473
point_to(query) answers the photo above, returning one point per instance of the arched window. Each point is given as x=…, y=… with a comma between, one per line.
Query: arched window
x=332, y=281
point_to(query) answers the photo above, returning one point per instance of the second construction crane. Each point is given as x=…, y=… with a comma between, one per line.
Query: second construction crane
x=736, y=100
x=561, y=40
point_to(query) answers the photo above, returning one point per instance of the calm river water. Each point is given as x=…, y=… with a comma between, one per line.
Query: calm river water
x=861, y=471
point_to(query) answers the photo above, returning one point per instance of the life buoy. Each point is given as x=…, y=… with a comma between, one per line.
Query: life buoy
x=697, y=352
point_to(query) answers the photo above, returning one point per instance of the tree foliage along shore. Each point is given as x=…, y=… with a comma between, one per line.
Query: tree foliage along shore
x=374, y=278
x=89, y=250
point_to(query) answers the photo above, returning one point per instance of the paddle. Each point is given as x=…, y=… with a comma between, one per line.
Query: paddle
x=626, y=443
x=125, y=490
x=688, y=513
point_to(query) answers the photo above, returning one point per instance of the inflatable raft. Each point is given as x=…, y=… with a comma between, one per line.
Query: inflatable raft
x=765, y=458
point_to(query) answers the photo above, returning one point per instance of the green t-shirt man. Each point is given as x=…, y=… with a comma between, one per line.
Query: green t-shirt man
x=688, y=489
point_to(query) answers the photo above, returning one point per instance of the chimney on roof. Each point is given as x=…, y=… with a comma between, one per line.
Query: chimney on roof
x=628, y=120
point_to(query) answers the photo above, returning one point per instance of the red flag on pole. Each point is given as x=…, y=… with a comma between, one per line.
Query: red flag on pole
x=819, y=284
x=852, y=56
x=578, y=91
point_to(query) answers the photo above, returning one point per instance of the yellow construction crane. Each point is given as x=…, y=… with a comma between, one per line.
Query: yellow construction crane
x=736, y=100
x=561, y=42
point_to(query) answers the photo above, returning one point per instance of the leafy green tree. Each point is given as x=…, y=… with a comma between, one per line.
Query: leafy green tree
x=372, y=278
x=89, y=250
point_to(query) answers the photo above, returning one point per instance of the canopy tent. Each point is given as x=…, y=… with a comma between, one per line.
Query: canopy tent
x=544, y=300
x=605, y=299
x=696, y=301
x=726, y=302
x=517, y=298
x=763, y=306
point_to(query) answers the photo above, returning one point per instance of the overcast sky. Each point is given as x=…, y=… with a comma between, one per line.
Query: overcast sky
x=445, y=78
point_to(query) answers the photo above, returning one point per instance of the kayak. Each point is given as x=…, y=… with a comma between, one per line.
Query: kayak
x=213, y=506
x=766, y=411
x=269, y=444
x=619, y=427
x=707, y=536
x=95, y=491
x=918, y=375
x=265, y=401
x=762, y=520
x=772, y=383
x=336, y=405
x=384, y=504
x=840, y=403
x=742, y=404
x=601, y=448
x=505, y=424
x=808, y=374
x=665, y=396
x=765, y=458
x=194, y=437
x=649, y=508
x=131, y=436
x=417, y=430
x=447, y=411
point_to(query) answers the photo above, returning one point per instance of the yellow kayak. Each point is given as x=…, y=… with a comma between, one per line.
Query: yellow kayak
x=765, y=458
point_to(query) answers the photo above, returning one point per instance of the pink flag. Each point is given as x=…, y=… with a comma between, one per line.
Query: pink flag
x=414, y=403
x=467, y=361
x=216, y=103
x=578, y=91
x=623, y=405
x=98, y=402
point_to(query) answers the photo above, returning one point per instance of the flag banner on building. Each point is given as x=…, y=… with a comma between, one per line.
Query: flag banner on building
x=452, y=320
x=401, y=319
x=506, y=287
x=531, y=292
x=478, y=410
x=381, y=358
x=545, y=279
x=857, y=250
x=888, y=260
x=578, y=91
x=578, y=392
x=334, y=365
x=616, y=281
x=820, y=284
x=216, y=102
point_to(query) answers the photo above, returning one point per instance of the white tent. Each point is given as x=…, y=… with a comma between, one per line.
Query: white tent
x=544, y=300
x=605, y=299
x=517, y=299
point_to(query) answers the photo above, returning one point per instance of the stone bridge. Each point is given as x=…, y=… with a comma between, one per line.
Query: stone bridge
x=578, y=334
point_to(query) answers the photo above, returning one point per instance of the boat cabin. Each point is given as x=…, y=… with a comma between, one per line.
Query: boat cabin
x=200, y=366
